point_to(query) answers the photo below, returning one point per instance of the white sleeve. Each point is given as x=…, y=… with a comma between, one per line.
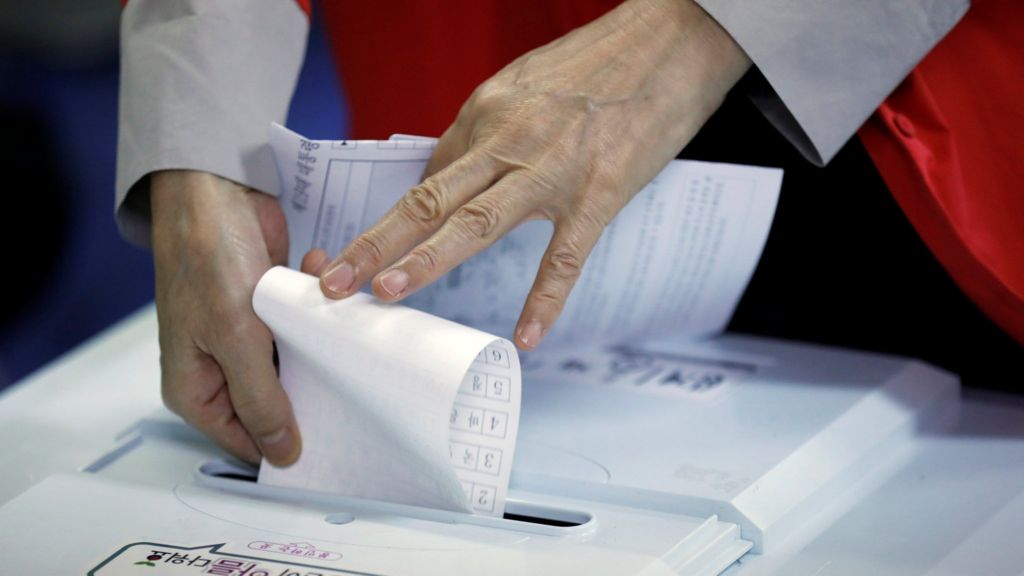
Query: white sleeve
x=201, y=81
x=828, y=64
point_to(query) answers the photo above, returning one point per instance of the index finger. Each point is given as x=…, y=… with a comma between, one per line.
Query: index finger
x=420, y=212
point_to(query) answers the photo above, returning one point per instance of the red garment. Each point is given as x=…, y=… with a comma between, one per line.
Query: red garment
x=949, y=143
x=438, y=52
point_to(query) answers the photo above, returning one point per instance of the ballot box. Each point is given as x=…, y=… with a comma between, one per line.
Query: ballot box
x=659, y=457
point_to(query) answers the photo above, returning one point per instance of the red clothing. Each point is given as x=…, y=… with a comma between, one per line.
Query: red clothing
x=408, y=67
x=947, y=142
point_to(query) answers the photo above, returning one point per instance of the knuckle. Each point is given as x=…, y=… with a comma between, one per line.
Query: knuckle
x=549, y=296
x=489, y=95
x=257, y=414
x=169, y=395
x=478, y=219
x=370, y=248
x=175, y=395
x=426, y=257
x=424, y=205
x=564, y=263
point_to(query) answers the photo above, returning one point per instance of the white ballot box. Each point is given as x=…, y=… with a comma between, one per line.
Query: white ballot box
x=737, y=455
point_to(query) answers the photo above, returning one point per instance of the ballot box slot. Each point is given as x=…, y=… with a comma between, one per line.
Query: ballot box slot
x=517, y=510
x=538, y=520
x=229, y=471
x=520, y=515
x=238, y=477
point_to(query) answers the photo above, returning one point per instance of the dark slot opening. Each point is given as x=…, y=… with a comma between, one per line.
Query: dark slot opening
x=229, y=470
x=536, y=520
x=234, y=476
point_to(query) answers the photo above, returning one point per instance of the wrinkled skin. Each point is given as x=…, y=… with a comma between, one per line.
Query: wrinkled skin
x=212, y=241
x=569, y=132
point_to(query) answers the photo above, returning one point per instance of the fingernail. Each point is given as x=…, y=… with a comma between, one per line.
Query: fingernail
x=279, y=447
x=531, y=334
x=394, y=281
x=340, y=278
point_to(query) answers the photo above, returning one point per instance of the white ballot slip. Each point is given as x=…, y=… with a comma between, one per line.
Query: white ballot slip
x=674, y=261
x=393, y=404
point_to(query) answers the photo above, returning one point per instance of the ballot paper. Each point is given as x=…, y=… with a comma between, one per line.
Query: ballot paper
x=674, y=261
x=417, y=403
x=392, y=403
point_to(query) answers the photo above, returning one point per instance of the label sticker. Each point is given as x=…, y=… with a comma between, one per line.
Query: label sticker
x=155, y=559
x=678, y=375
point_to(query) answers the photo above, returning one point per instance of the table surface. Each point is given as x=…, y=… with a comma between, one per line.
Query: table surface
x=954, y=506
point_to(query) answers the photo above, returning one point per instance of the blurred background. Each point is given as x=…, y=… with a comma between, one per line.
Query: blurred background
x=68, y=273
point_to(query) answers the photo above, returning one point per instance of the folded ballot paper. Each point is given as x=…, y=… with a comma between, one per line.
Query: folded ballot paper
x=418, y=403
x=393, y=403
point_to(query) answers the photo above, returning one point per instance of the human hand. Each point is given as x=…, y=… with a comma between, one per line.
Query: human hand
x=212, y=241
x=569, y=132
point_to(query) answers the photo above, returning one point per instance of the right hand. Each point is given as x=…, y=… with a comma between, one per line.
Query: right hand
x=212, y=241
x=568, y=132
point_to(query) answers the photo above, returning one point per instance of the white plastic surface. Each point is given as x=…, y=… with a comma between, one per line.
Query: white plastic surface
x=895, y=495
x=952, y=505
x=762, y=452
x=373, y=542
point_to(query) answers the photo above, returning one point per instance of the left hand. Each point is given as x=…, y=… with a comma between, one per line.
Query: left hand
x=569, y=132
x=213, y=239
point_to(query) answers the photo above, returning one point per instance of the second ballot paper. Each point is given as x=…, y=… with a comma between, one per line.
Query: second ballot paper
x=675, y=260
x=419, y=403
